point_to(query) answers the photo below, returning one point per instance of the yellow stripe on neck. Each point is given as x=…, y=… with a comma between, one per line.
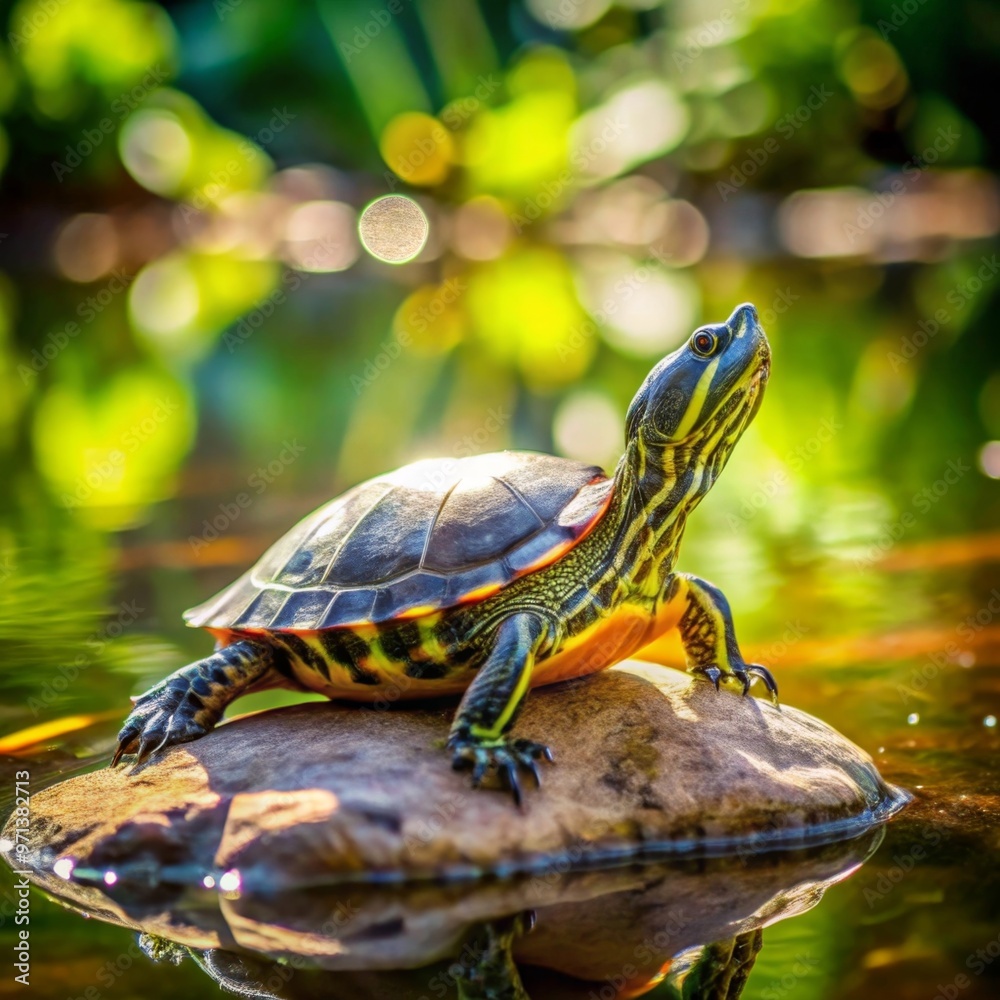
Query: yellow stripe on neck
x=697, y=399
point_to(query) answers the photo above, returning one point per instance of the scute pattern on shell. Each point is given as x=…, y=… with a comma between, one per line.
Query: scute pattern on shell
x=428, y=536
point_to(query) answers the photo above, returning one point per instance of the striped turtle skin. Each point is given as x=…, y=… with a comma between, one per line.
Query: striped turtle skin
x=429, y=536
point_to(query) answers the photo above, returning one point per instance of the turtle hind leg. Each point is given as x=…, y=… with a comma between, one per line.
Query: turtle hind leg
x=491, y=705
x=189, y=702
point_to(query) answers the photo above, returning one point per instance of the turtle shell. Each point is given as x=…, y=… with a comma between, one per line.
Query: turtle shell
x=428, y=536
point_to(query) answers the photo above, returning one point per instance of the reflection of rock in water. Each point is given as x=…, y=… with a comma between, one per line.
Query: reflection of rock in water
x=486, y=971
x=631, y=926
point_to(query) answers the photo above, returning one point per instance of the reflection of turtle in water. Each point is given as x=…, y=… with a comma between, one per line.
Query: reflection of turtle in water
x=484, y=970
x=488, y=575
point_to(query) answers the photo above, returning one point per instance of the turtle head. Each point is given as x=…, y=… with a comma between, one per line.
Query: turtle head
x=707, y=391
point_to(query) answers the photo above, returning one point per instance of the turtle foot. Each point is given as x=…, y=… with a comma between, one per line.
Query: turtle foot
x=503, y=758
x=745, y=673
x=171, y=712
x=485, y=969
x=189, y=703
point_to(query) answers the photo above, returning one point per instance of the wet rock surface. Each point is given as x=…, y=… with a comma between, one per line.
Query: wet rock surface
x=648, y=762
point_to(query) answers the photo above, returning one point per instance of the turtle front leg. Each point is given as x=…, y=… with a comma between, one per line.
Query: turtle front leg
x=709, y=636
x=189, y=702
x=486, y=969
x=491, y=705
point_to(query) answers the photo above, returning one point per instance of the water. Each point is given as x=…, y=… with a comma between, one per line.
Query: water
x=912, y=910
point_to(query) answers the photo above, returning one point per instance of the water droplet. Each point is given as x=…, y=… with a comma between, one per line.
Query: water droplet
x=990, y=722
x=230, y=881
x=208, y=882
x=64, y=867
x=110, y=878
x=913, y=718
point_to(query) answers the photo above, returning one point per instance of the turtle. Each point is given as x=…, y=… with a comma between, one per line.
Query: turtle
x=485, y=576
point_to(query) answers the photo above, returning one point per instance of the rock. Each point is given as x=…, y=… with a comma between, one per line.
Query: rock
x=647, y=763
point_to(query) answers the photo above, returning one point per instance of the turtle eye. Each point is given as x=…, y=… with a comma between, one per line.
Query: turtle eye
x=705, y=343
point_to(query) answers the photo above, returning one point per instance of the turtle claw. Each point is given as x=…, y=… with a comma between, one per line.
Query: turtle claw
x=159, y=719
x=504, y=758
x=712, y=672
x=757, y=670
x=532, y=766
x=745, y=674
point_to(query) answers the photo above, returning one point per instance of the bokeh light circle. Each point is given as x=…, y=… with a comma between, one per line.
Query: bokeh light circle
x=393, y=228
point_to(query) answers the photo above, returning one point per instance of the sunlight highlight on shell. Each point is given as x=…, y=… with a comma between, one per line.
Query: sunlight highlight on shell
x=393, y=229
